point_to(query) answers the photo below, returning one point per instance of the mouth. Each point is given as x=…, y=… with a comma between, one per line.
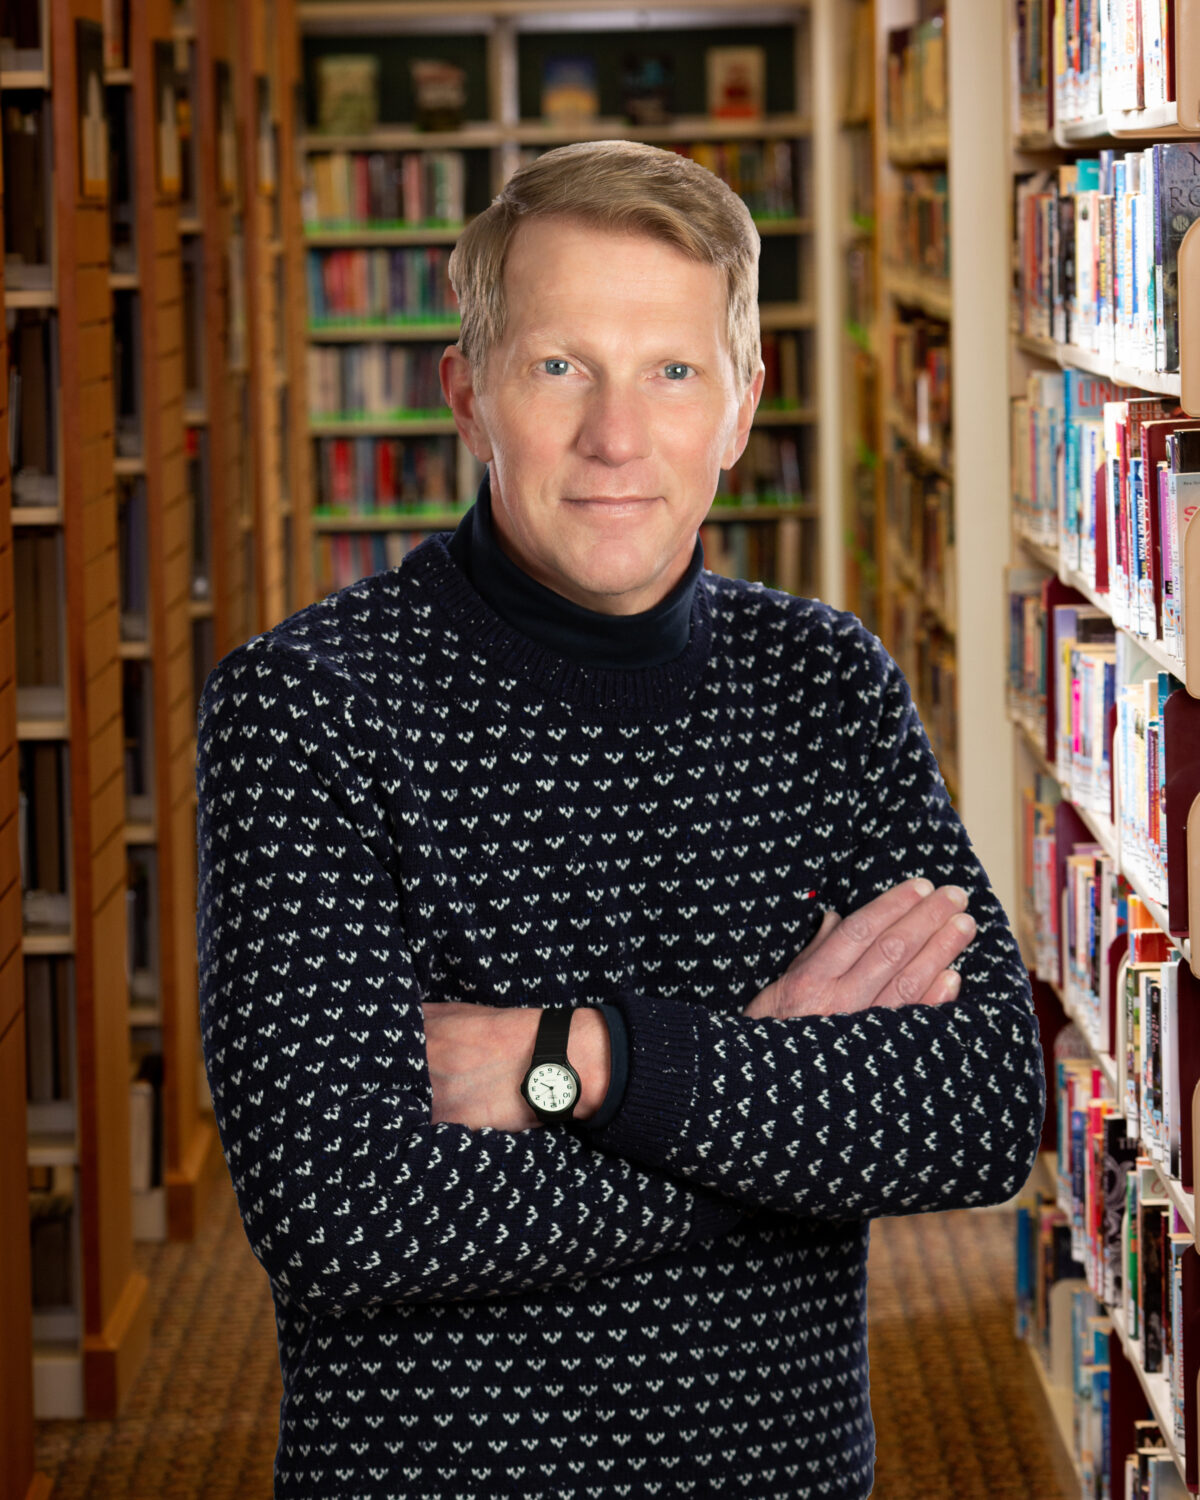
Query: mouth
x=612, y=505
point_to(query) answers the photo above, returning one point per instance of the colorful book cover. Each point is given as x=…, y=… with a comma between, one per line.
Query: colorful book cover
x=570, y=90
x=1179, y=207
x=736, y=78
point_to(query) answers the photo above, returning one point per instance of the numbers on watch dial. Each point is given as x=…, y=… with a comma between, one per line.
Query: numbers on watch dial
x=551, y=1087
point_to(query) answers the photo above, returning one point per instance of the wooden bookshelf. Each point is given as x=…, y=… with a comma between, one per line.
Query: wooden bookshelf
x=1037, y=142
x=801, y=259
x=92, y=1371
x=17, y=1474
x=864, y=519
x=168, y=324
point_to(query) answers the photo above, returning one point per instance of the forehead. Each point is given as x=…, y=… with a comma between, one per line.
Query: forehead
x=558, y=267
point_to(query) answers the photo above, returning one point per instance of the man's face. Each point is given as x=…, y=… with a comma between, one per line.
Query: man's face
x=609, y=408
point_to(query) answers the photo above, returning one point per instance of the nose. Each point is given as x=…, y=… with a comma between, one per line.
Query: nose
x=615, y=427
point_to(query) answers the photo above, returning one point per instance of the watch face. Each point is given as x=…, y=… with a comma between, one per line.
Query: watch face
x=551, y=1087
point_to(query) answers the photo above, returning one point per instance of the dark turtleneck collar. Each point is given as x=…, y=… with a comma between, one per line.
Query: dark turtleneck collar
x=649, y=639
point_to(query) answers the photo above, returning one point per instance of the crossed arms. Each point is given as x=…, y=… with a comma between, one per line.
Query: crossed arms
x=855, y=1085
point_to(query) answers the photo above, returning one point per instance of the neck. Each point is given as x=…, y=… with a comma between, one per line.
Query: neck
x=647, y=639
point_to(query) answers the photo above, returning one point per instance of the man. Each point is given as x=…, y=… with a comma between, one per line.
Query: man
x=556, y=1093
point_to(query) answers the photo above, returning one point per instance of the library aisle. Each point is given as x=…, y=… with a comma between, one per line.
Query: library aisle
x=227, y=226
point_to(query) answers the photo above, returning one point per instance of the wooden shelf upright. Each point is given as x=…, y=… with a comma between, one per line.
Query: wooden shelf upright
x=220, y=200
x=189, y=1143
x=115, y=1307
x=262, y=168
x=17, y=1475
x=291, y=358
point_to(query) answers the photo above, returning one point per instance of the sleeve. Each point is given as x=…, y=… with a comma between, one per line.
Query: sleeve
x=314, y=1044
x=887, y=1111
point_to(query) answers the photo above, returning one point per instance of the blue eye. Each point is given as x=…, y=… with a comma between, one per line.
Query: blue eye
x=676, y=371
x=556, y=366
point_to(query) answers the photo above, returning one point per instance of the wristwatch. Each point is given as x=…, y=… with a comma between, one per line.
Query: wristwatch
x=551, y=1087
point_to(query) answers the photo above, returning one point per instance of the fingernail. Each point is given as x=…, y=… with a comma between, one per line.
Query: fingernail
x=953, y=983
x=923, y=887
x=965, y=924
x=957, y=895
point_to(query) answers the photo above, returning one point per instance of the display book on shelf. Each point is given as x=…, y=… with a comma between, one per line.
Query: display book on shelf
x=90, y=1310
x=1099, y=689
x=382, y=210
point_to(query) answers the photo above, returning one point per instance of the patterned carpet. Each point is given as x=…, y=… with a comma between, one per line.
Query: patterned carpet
x=954, y=1405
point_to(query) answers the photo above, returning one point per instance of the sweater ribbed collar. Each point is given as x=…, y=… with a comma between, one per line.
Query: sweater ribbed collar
x=602, y=691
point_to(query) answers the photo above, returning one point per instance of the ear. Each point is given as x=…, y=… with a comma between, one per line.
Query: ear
x=746, y=410
x=458, y=387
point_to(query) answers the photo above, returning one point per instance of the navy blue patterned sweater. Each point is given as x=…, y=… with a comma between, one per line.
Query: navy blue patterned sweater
x=403, y=799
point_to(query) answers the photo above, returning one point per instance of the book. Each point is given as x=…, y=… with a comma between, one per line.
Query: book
x=570, y=89
x=647, y=87
x=1179, y=208
x=166, y=118
x=736, y=82
x=439, y=92
x=347, y=93
x=93, y=124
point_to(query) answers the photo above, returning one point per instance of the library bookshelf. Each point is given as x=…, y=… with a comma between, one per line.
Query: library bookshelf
x=17, y=1473
x=1083, y=352
x=90, y=1318
x=133, y=496
x=780, y=517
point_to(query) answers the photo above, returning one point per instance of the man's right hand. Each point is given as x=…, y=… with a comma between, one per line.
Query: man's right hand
x=894, y=951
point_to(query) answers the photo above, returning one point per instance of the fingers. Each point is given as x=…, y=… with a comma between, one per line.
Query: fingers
x=845, y=945
x=920, y=950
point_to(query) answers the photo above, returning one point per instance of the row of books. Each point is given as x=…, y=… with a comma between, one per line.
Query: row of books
x=342, y=558
x=1111, y=713
x=773, y=178
x=920, y=383
x=349, y=382
x=384, y=190
x=42, y=836
x=1109, y=55
x=768, y=176
x=1116, y=1453
x=748, y=549
x=1097, y=253
x=785, y=384
x=137, y=719
x=570, y=89
x=1112, y=480
x=379, y=286
x=359, y=475
x=1125, y=1233
x=49, y=1033
x=51, y=1236
x=32, y=383
x=775, y=469
x=920, y=513
x=925, y=653
x=917, y=224
x=916, y=79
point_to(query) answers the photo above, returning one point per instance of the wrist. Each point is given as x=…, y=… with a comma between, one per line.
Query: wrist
x=591, y=1058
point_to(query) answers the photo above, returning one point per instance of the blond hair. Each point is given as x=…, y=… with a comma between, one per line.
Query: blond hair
x=623, y=187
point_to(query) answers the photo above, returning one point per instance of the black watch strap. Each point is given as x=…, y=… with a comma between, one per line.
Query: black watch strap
x=550, y=1044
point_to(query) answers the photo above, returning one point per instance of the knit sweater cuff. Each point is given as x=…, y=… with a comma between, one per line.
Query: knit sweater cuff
x=662, y=1087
